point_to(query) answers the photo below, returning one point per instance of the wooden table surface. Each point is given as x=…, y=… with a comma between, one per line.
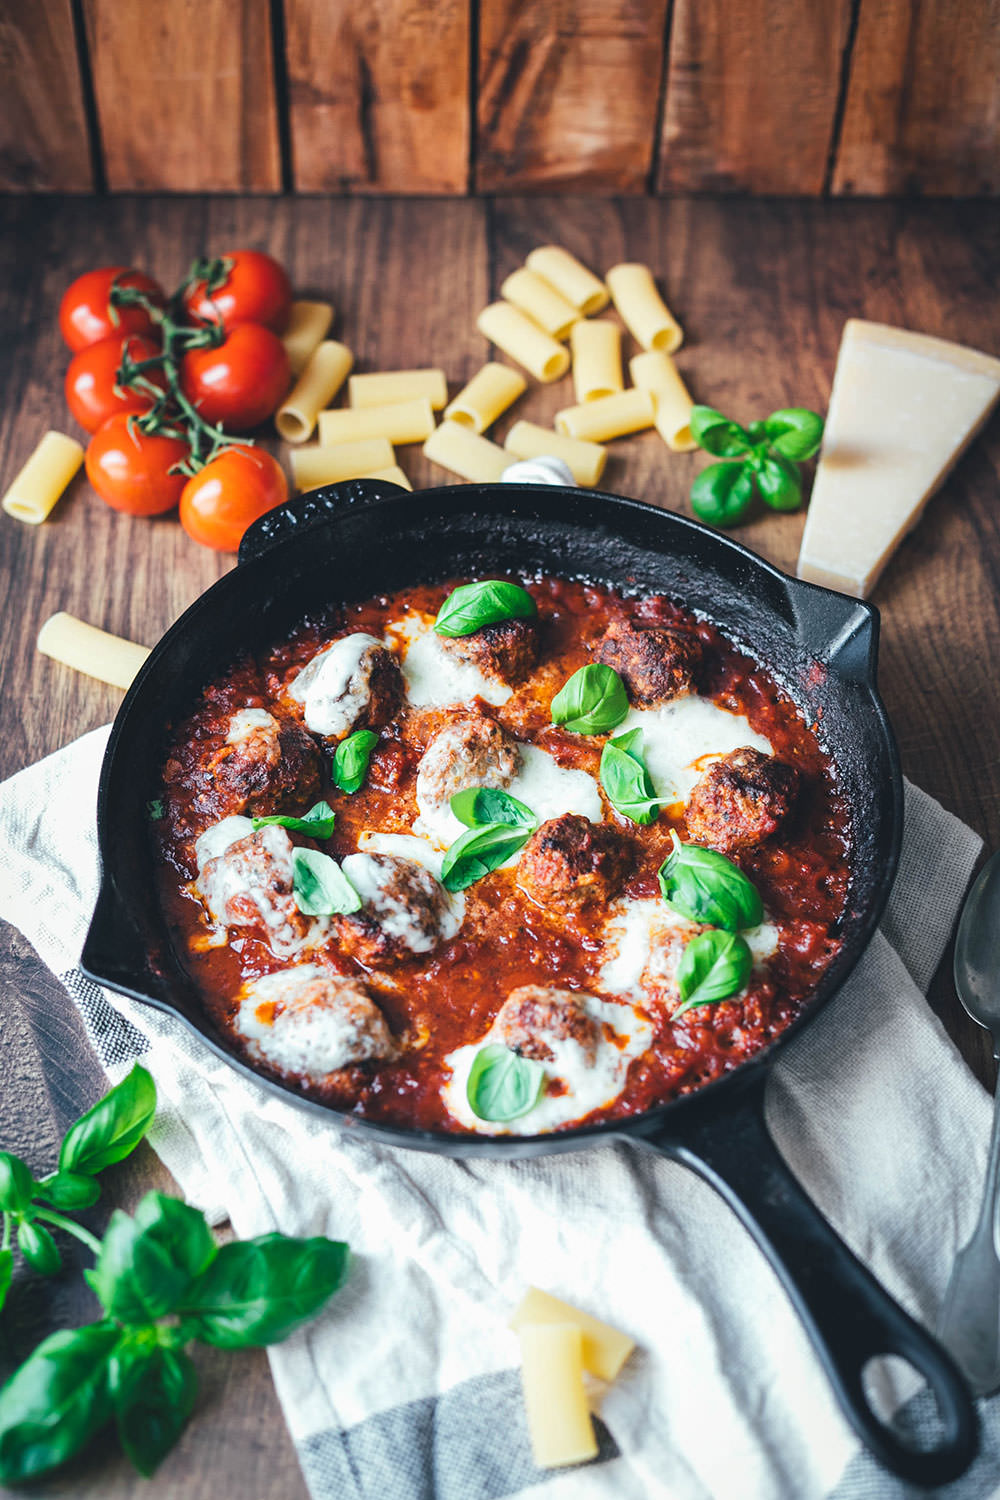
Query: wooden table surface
x=762, y=289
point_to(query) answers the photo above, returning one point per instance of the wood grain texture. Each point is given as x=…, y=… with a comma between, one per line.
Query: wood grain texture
x=379, y=95
x=922, y=112
x=43, y=128
x=568, y=95
x=751, y=95
x=185, y=95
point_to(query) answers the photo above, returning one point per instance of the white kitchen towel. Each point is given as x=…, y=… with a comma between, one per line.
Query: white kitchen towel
x=406, y=1387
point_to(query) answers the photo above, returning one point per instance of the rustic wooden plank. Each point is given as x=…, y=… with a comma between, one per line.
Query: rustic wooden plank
x=922, y=113
x=185, y=95
x=568, y=95
x=43, y=126
x=379, y=96
x=751, y=95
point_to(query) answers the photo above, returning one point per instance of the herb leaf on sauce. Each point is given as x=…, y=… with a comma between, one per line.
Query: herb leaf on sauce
x=318, y=821
x=480, y=806
x=714, y=966
x=503, y=1086
x=473, y=605
x=320, y=887
x=593, y=701
x=626, y=779
x=351, y=758
x=704, y=886
x=479, y=851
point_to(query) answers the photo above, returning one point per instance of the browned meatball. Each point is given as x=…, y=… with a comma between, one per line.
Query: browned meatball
x=570, y=860
x=741, y=800
x=655, y=663
x=245, y=880
x=532, y=1013
x=469, y=751
x=266, y=766
x=507, y=651
x=354, y=683
x=308, y=1022
x=406, y=912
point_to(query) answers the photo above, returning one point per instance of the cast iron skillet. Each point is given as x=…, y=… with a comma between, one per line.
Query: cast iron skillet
x=348, y=542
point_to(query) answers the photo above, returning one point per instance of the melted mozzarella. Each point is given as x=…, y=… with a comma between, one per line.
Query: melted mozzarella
x=297, y=1021
x=648, y=934
x=587, y=1086
x=409, y=846
x=433, y=677
x=392, y=910
x=680, y=740
x=333, y=687
x=248, y=722
x=217, y=839
x=548, y=788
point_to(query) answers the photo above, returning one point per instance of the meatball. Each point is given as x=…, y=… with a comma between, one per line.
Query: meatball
x=533, y=1013
x=471, y=751
x=265, y=765
x=507, y=651
x=655, y=663
x=245, y=880
x=741, y=800
x=353, y=684
x=312, y=1023
x=406, y=911
x=571, y=861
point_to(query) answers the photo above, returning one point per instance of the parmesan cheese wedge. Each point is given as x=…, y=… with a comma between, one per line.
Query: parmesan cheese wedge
x=554, y=1397
x=903, y=409
x=604, y=1349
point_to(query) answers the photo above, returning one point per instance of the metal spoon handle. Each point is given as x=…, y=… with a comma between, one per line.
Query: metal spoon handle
x=970, y=1319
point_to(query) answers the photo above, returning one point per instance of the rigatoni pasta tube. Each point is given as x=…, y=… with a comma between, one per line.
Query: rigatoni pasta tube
x=656, y=373
x=586, y=460
x=607, y=417
x=643, y=310
x=571, y=279
x=399, y=421
x=513, y=332
x=86, y=649
x=543, y=304
x=605, y=1349
x=463, y=452
x=597, y=359
x=37, y=486
x=490, y=391
x=555, y=1401
x=315, y=388
x=393, y=474
x=318, y=465
x=388, y=386
x=308, y=325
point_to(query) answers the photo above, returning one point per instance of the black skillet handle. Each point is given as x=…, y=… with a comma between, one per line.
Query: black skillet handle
x=848, y=1316
x=312, y=509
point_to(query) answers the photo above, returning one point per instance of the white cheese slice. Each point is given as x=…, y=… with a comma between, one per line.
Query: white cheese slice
x=433, y=677
x=683, y=737
x=902, y=410
x=333, y=687
x=645, y=933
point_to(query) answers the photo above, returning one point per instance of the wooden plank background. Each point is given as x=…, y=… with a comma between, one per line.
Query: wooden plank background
x=425, y=97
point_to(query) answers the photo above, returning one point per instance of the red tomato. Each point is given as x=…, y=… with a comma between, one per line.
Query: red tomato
x=229, y=494
x=91, y=393
x=130, y=469
x=240, y=382
x=256, y=290
x=85, y=312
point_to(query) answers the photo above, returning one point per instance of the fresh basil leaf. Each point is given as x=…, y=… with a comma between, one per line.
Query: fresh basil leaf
x=717, y=434
x=704, y=886
x=148, y=1262
x=113, y=1128
x=350, y=759
x=71, y=1190
x=593, y=701
x=722, y=493
x=38, y=1247
x=473, y=605
x=318, y=821
x=713, y=966
x=258, y=1291
x=55, y=1403
x=479, y=806
x=153, y=1389
x=6, y=1273
x=626, y=779
x=503, y=1086
x=16, y=1183
x=479, y=851
x=156, y=809
x=320, y=887
x=794, y=432
x=780, y=483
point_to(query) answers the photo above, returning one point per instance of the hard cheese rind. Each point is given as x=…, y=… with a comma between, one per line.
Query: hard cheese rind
x=902, y=410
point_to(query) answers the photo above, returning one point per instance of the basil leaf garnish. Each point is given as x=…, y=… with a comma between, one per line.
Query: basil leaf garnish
x=714, y=966
x=38, y=1247
x=16, y=1183
x=320, y=887
x=593, y=701
x=70, y=1190
x=318, y=821
x=479, y=851
x=56, y=1401
x=473, y=605
x=717, y=434
x=156, y=809
x=153, y=1390
x=503, y=1086
x=148, y=1261
x=627, y=781
x=257, y=1291
x=706, y=887
x=113, y=1128
x=479, y=806
x=779, y=482
x=350, y=759
x=794, y=432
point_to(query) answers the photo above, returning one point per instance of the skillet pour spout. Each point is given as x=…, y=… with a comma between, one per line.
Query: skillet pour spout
x=348, y=542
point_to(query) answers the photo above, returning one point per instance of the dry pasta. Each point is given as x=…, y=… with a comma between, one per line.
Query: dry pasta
x=586, y=460
x=318, y=465
x=393, y=474
x=513, y=332
x=542, y=303
x=315, y=388
x=643, y=310
x=388, y=386
x=555, y=1400
x=656, y=373
x=607, y=417
x=463, y=452
x=43, y=479
x=399, y=421
x=83, y=647
x=564, y=272
x=490, y=391
x=597, y=359
x=308, y=325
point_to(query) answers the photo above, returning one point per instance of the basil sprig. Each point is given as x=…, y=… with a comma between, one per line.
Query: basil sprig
x=351, y=758
x=318, y=821
x=593, y=701
x=473, y=605
x=764, y=456
x=713, y=966
x=478, y=806
x=503, y=1086
x=320, y=887
x=626, y=779
x=479, y=851
x=706, y=887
